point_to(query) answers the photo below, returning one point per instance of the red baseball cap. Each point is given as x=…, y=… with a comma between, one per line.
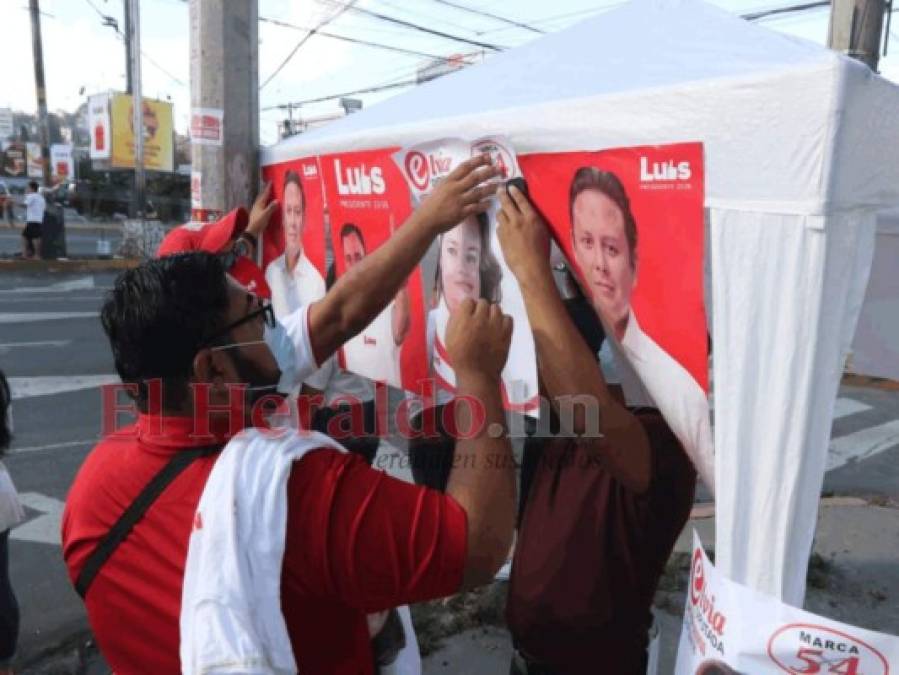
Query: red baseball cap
x=211, y=237
x=248, y=274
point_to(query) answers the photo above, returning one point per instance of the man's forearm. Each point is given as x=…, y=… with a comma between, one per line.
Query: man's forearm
x=572, y=378
x=400, y=320
x=482, y=479
x=365, y=290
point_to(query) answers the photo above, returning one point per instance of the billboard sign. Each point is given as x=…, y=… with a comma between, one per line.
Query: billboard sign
x=158, y=134
x=62, y=162
x=98, y=126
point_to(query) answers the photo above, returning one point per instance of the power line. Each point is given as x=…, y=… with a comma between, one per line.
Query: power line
x=430, y=17
x=367, y=90
x=424, y=29
x=481, y=12
x=754, y=16
x=358, y=41
x=324, y=22
x=113, y=23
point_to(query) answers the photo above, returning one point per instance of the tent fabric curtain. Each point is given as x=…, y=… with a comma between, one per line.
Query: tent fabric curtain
x=787, y=291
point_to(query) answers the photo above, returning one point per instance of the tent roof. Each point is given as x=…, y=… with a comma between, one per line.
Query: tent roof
x=642, y=44
x=648, y=72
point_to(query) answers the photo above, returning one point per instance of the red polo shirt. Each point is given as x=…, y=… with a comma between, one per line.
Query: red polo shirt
x=357, y=541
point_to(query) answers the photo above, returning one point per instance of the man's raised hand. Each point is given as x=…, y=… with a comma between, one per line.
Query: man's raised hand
x=464, y=192
x=478, y=336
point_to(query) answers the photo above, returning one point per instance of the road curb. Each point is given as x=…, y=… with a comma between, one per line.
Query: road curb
x=86, y=265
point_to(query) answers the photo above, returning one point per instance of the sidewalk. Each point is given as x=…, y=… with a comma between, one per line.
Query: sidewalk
x=853, y=577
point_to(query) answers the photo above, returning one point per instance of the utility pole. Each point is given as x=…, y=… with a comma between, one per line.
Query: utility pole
x=856, y=27
x=127, y=11
x=224, y=96
x=137, y=104
x=38, y=49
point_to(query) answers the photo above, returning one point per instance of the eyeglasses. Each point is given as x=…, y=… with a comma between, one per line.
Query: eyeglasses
x=265, y=311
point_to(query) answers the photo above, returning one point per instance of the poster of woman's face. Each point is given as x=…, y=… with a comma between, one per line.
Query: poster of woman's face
x=466, y=262
x=466, y=266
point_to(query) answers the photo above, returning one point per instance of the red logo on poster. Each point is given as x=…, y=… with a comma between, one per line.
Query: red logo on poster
x=807, y=648
x=698, y=578
x=499, y=155
x=417, y=169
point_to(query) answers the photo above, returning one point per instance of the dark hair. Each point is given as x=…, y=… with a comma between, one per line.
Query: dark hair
x=33, y=185
x=293, y=177
x=157, y=317
x=5, y=403
x=351, y=228
x=607, y=183
x=489, y=271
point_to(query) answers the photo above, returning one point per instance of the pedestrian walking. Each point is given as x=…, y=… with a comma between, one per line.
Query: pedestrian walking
x=35, y=205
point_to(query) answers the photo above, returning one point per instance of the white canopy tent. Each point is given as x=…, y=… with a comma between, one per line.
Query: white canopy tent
x=875, y=350
x=797, y=166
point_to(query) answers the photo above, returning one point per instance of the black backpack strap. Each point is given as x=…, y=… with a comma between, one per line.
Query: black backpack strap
x=126, y=522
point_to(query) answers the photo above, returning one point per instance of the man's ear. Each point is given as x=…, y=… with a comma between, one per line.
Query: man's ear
x=207, y=366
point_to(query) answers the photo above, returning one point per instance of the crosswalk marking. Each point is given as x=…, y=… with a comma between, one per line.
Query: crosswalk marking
x=31, y=317
x=81, y=284
x=44, y=385
x=50, y=446
x=38, y=343
x=848, y=406
x=862, y=444
x=45, y=528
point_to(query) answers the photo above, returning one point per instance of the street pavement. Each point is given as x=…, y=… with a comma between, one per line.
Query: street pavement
x=54, y=352
x=81, y=240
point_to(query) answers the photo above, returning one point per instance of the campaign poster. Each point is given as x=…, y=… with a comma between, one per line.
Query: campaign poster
x=367, y=201
x=467, y=262
x=293, y=246
x=630, y=222
x=15, y=159
x=730, y=629
x=62, y=163
x=35, y=161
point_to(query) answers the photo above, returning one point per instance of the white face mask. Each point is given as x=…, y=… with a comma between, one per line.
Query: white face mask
x=284, y=353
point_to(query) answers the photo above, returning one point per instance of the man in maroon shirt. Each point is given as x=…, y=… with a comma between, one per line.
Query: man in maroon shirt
x=605, y=505
x=357, y=540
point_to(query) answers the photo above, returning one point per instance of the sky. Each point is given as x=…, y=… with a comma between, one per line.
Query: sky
x=81, y=56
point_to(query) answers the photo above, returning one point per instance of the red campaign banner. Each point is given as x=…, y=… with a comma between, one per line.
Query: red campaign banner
x=368, y=198
x=656, y=275
x=293, y=248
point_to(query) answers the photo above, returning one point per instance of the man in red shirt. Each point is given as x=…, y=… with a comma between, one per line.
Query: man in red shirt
x=358, y=541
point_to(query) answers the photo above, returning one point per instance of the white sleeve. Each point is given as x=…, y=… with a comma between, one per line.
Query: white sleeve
x=297, y=326
x=321, y=378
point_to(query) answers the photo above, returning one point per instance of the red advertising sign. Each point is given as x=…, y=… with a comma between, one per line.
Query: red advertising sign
x=367, y=200
x=630, y=220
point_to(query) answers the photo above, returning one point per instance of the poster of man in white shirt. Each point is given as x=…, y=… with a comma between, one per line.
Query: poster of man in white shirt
x=293, y=279
x=376, y=350
x=630, y=221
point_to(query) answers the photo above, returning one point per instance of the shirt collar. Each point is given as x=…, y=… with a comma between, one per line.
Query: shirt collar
x=171, y=431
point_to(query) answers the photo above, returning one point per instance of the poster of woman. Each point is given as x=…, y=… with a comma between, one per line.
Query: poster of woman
x=466, y=262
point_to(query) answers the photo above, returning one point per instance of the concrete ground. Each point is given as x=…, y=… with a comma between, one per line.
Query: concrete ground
x=853, y=578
